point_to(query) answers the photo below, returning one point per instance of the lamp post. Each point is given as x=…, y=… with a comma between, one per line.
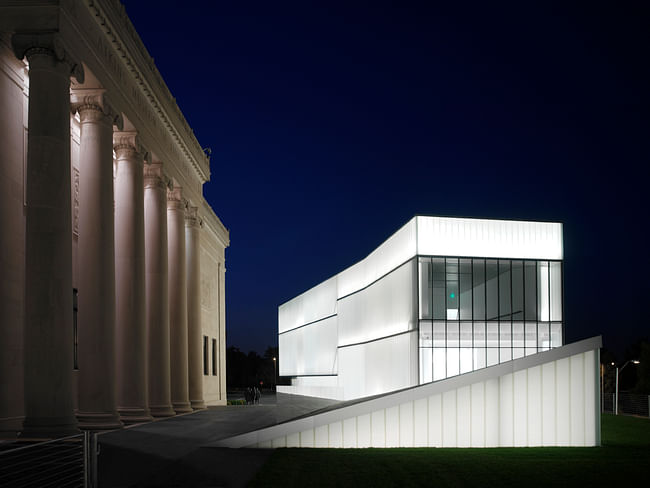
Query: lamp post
x=634, y=361
x=275, y=375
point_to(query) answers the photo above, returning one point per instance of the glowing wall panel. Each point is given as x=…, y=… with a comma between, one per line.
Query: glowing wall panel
x=378, y=367
x=550, y=398
x=316, y=303
x=443, y=236
x=386, y=307
x=309, y=350
x=394, y=251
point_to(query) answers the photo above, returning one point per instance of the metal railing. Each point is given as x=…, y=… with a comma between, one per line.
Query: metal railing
x=628, y=404
x=65, y=462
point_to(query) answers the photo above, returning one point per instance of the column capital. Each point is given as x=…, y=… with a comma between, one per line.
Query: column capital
x=175, y=198
x=192, y=218
x=126, y=144
x=154, y=177
x=93, y=106
x=33, y=45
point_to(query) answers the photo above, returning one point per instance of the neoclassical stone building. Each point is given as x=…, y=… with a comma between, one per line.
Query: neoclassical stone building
x=112, y=297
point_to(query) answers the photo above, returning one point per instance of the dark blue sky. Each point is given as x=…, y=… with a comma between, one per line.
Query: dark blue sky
x=331, y=124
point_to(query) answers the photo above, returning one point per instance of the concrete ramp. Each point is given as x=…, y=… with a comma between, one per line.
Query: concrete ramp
x=546, y=399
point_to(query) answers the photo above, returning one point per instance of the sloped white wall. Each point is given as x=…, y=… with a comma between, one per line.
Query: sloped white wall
x=548, y=399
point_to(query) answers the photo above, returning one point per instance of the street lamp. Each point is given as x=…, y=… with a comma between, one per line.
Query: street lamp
x=275, y=375
x=634, y=361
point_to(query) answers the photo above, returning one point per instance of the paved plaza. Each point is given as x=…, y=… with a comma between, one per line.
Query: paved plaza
x=177, y=451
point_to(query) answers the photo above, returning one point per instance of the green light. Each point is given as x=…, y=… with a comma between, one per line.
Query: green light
x=452, y=295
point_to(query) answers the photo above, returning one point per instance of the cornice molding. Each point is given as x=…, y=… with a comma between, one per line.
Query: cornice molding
x=126, y=46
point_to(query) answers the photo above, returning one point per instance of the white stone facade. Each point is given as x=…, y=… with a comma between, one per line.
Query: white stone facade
x=112, y=302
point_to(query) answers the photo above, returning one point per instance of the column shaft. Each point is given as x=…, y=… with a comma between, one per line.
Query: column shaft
x=195, y=337
x=177, y=301
x=131, y=344
x=156, y=285
x=96, y=316
x=48, y=247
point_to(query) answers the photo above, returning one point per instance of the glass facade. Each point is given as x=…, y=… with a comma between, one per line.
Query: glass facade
x=476, y=312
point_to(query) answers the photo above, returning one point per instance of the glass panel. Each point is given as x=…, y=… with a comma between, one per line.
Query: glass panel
x=543, y=336
x=531, y=335
x=492, y=356
x=478, y=267
x=479, y=358
x=531, y=350
x=491, y=280
x=426, y=365
x=465, y=334
x=517, y=334
x=505, y=335
x=517, y=290
x=439, y=363
x=426, y=339
x=439, y=336
x=556, y=290
x=465, y=359
x=479, y=334
x=517, y=352
x=426, y=288
x=530, y=284
x=452, y=334
x=542, y=291
x=452, y=289
x=465, y=282
x=556, y=335
x=439, y=288
x=505, y=354
x=504, y=290
x=492, y=334
x=453, y=361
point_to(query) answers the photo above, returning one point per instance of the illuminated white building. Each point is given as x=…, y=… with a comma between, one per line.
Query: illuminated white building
x=451, y=333
x=440, y=297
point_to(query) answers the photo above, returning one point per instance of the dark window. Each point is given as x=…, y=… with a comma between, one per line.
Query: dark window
x=465, y=282
x=439, y=311
x=452, y=289
x=214, y=357
x=530, y=285
x=75, y=336
x=206, y=371
x=504, y=291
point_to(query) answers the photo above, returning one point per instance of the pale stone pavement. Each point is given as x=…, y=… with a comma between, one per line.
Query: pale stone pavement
x=177, y=452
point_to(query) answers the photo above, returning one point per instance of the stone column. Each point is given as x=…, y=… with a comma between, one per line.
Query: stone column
x=48, y=239
x=194, y=335
x=96, y=259
x=177, y=300
x=156, y=286
x=131, y=340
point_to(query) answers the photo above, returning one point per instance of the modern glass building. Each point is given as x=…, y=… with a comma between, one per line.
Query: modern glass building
x=440, y=297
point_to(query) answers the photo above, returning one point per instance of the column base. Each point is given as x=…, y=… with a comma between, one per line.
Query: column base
x=182, y=407
x=98, y=421
x=162, y=410
x=49, y=427
x=197, y=404
x=134, y=415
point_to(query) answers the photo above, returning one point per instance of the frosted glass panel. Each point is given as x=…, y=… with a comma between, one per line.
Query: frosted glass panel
x=531, y=335
x=479, y=334
x=465, y=334
x=543, y=336
x=492, y=334
x=556, y=335
x=379, y=366
x=556, y=290
x=315, y=304
x=309, y=350
x=517, y=334
x=453, y=361
x=465, y=359
x=439, y=335
x=426, y=365
x=439, y=363
x=386, y=307
x=452, y=334
x=425, y=334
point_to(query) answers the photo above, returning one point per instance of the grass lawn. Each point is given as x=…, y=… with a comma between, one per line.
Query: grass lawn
x=623, y=460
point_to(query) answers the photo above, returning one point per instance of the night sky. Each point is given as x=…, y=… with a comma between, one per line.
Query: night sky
x=332, y=124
